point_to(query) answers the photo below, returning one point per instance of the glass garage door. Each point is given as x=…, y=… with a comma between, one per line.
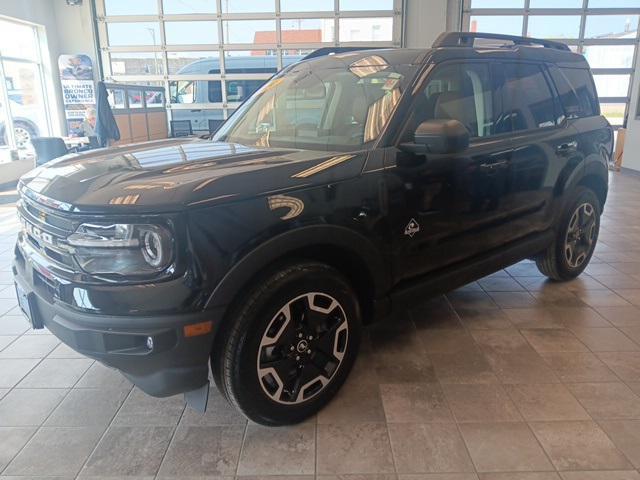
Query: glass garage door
x=210, y=55
x=604, y=31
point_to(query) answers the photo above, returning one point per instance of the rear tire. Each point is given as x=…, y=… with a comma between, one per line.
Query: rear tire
x=289, y=345
x=576, y=238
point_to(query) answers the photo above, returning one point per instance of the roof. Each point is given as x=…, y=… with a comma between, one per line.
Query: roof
x=521, y=49
x=392, y=56
x=461, y=45
x=412, y=56
x=517, y=52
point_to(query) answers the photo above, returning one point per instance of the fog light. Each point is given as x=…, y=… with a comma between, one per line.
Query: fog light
x=150, y=343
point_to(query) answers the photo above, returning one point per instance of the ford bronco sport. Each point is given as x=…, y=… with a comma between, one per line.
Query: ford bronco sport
x=351, y=182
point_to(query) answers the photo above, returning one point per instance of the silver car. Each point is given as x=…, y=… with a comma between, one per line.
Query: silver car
x=25, y=123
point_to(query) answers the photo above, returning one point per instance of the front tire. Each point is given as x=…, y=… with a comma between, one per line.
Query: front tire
x=576, y=238
x=290, y=344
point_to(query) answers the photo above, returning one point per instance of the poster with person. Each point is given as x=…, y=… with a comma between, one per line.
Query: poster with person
x=78, y=93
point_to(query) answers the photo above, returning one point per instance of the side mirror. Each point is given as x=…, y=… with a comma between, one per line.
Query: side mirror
x=439, y=136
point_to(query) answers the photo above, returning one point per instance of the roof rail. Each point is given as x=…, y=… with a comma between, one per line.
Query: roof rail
x=321, y=52
x=466, y=39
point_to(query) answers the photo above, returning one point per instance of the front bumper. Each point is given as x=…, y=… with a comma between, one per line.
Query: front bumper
x=151, y=351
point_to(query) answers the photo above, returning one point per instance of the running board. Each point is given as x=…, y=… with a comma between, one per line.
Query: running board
x=450, y=278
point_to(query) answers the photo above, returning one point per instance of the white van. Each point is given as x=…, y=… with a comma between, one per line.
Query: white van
x=198, y=92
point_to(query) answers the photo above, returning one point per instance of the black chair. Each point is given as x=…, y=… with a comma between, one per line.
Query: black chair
x=181, y=128
x=48, y=148
x=93, y=142
x=214, y=125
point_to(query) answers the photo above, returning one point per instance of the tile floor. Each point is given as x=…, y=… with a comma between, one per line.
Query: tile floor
x=511, y=377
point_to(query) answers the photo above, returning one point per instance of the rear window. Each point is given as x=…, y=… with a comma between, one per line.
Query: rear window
x=576, y=90
x=527, y=98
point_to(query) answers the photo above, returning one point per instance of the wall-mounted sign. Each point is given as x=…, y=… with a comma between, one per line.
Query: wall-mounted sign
x=78, y=93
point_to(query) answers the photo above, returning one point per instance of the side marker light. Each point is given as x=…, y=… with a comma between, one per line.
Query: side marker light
x=197, y=329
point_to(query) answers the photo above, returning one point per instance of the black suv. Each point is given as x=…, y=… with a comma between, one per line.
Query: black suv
x=351, y=182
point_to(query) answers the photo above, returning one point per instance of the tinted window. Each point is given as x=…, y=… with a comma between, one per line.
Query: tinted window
x=215, y=91
x=240, y=90
x=577, y=93
x=526, y=98
x=237, y=90
x=459, y=92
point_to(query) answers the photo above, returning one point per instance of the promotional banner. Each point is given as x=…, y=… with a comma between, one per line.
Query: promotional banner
x=78, y=93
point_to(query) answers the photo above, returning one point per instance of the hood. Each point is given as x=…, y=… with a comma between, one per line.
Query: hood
x=170, y=175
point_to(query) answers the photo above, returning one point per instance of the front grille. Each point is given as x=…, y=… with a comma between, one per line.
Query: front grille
x=46, y=231
x=55, y=221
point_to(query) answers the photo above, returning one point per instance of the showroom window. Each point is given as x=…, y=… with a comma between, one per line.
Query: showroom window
x=24, y=102
x=210, y=55
x=604, y=31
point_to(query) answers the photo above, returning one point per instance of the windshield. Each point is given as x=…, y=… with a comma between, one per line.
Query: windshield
x=322, y=109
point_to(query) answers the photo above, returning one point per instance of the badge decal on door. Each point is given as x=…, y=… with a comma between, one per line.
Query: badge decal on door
x=412, y=228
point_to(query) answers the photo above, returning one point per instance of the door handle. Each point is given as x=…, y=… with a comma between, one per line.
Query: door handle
x=567, y=147
x=493, y=165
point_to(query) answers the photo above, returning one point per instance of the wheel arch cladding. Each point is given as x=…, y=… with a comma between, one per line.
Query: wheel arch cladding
x=597, y=184
x=347, y=251
x=593, y=175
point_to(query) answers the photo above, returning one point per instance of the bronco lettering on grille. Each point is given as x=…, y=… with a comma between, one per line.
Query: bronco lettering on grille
x=37, y=233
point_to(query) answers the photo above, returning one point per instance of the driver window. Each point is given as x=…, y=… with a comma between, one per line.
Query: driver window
x=183, y=91
x=458, y=92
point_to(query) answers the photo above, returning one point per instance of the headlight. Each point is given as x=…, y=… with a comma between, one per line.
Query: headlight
x=122, y=249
